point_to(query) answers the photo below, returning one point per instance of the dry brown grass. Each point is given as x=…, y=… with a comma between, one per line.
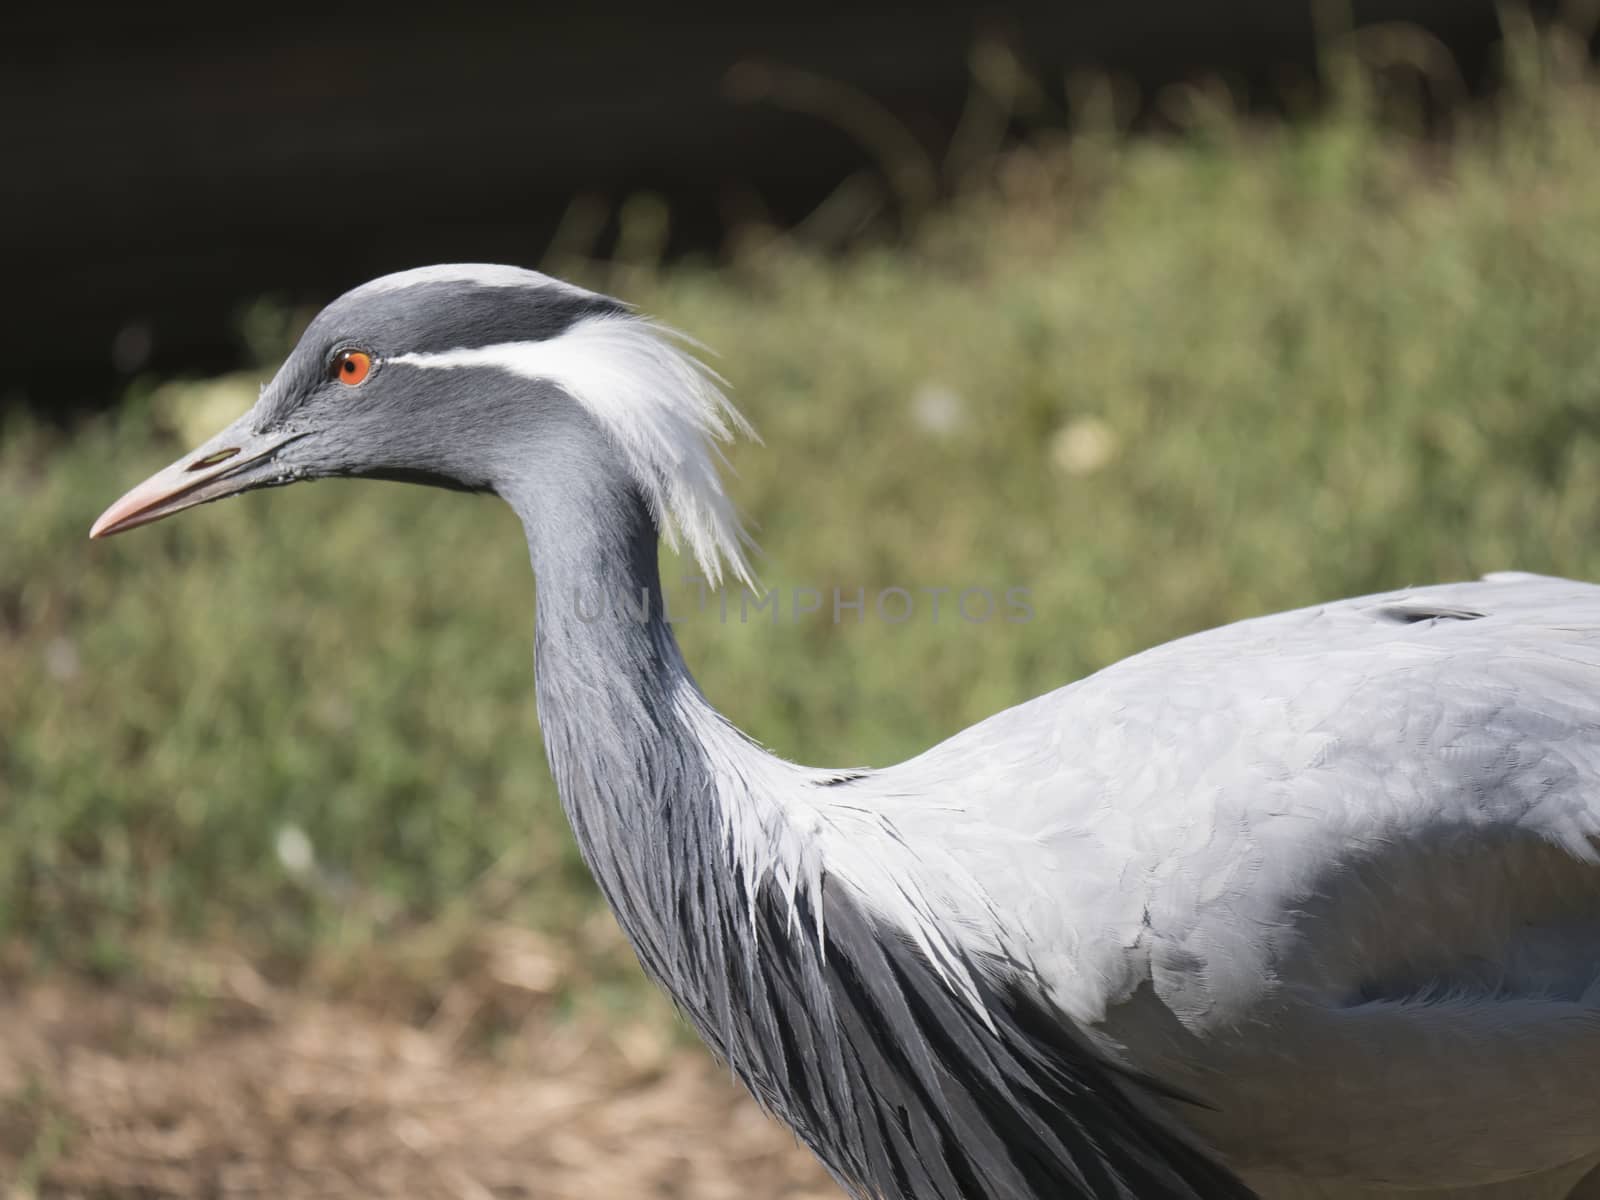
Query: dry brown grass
x=272, y=1094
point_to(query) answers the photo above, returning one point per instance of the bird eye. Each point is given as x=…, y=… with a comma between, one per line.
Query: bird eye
x=351, y=366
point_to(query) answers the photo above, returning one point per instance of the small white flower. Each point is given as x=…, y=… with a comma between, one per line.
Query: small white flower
x=1083, y=445
x=937, y=409
x=295, y=851
x=61, y=659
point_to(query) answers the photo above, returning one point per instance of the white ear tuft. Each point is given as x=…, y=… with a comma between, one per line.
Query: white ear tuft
x=665, y=410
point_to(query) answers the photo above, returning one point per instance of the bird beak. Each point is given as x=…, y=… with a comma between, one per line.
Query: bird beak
x=234, y=461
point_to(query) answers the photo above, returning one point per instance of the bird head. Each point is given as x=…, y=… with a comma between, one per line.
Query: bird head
x=357, y=397
x=473, y=376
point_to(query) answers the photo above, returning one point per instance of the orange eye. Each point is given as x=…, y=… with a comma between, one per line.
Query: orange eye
x=352, y=366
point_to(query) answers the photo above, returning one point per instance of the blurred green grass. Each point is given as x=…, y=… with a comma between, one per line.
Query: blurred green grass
x=1161, y=384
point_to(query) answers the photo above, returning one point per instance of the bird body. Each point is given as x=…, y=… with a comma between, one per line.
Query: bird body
x=1331, y=870
x=1310, y=902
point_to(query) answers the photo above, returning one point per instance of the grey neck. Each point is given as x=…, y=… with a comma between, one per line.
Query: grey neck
x=614, y=696
x=822, y=1033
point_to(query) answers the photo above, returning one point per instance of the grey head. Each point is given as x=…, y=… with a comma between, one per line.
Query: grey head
x=353, y=399
x=474, y=376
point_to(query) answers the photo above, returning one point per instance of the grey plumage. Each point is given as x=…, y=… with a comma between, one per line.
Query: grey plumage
x=900, y=1088
x=1309, y=901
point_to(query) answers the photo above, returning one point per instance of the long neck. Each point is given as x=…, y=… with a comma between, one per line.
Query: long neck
x=839, y=1024
x=629, y=736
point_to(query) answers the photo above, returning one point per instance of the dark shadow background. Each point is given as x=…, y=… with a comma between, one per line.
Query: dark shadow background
x=162, y=169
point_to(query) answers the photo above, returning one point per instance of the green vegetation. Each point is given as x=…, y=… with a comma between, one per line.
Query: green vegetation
x=1161, y=384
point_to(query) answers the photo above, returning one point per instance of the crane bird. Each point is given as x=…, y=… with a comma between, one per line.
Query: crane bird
x=1307, y=906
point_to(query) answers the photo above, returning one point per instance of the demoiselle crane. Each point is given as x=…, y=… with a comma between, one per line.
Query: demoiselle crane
x=1306, y=906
